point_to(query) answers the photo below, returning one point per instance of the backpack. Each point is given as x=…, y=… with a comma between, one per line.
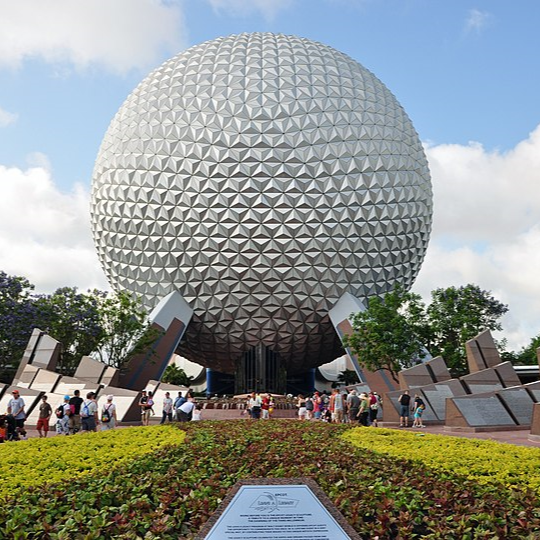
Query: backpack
x=60, y=411
x=85, y=411
x=309, y=405
x=106, y=415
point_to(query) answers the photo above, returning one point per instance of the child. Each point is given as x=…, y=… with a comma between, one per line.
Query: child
x=197, y=413
x=417, y=423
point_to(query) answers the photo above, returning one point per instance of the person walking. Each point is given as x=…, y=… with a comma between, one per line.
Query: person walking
x=108, y=414
x=62, y=417
x=45, y=412
x=363, y=411
x=16, y=409
x=167, y=408
x=75, y=417
x=373, y=408
x=89, y=413
x=353, y=405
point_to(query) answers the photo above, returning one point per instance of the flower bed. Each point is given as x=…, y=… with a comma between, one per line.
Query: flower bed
x=172, y=492
x=41, y=461
x=485, y=462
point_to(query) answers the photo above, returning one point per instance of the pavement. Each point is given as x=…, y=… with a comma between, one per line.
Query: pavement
x=517, y=437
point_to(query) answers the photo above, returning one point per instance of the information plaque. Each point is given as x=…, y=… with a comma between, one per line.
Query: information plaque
x=281, y=509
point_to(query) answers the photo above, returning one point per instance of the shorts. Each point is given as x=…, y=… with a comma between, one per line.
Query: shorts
x=373, y=414
x=42, y=423
x=317, y=414
x=302, y=412
x=405, y=411
x=88, y=423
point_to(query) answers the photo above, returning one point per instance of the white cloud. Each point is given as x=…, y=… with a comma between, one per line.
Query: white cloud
x=7, y=118
x=243, y=8
x=118, y=34
x=486, y=228
x=476, y=21
x=45, y=234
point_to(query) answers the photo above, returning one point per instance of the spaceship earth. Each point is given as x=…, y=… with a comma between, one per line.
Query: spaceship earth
x=261, y=176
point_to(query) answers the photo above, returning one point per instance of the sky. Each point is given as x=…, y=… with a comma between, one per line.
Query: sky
x=466, y=72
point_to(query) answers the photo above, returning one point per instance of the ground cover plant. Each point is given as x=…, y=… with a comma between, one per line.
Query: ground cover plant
x=40, y=461
x=485, y=462
x=172, y=492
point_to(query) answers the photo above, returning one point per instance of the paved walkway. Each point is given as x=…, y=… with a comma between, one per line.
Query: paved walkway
x=512, y=437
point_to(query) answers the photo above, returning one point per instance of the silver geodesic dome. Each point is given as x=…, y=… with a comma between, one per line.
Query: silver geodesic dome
x=261, y=176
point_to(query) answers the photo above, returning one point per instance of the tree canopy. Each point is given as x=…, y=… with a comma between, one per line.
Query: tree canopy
x=395, y=330
x=388, y=334
x=112, y=326
x=457, y=314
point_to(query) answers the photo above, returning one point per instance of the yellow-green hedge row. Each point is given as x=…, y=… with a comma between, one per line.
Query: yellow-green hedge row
x=479, y=460
x=40, y=461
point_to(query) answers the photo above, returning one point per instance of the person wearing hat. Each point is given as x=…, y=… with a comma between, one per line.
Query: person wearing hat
x=108, y=414
x=62, y=417
x=16, y=409
x=363, y=411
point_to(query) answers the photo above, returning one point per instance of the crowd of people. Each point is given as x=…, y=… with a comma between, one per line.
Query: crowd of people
x=75, y=414
x=339, y=407
x=181, y=409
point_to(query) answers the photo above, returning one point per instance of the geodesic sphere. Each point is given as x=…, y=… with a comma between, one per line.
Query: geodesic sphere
x=262, y=176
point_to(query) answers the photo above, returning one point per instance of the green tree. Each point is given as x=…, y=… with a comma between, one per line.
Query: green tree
x=126, y=329
x=348, y=377
x=389, y=333
x=175, y=375
x=73, y=319
x=527, y=356
x=17, y=320
x=455, y=315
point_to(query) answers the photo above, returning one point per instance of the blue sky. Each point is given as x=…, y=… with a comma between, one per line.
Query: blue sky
x=467, y=73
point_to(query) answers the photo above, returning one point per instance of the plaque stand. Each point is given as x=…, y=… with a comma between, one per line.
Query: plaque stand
x=284, y=508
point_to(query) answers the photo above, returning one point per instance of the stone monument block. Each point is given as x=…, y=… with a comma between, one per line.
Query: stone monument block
x=68, y=385
x=110, y=377
x=436, y=395
x=380, y=381
x=27, y=376
x=507, y=374
x=42, y=352
x=45, y=381
x=482, y=352
x=535, y=426
x=519, y=404
x=477, y=413
x=90, y=370
x=483, y=381
x=415, y=377
x=439, y=369
x=169, y=320
x=534, y=389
